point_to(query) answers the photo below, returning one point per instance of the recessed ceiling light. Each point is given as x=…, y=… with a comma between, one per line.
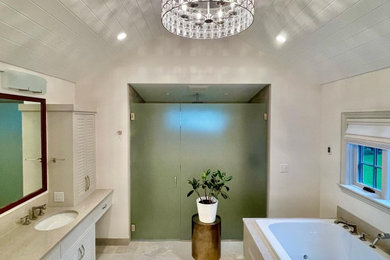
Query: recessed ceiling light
x=281, y=38
x=121, y=36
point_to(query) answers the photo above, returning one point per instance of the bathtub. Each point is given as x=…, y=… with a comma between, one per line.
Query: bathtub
x=318, y=239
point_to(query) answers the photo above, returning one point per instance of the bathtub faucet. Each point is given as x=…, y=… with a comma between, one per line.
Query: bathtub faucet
x=352, y=227
x=379, y=237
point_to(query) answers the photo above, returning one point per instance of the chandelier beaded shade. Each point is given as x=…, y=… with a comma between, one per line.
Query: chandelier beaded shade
x=207, y=19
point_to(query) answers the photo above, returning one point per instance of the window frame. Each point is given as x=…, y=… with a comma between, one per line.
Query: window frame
x=349, y=158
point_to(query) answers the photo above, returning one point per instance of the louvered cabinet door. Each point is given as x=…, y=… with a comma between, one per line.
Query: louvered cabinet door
x=84, y=155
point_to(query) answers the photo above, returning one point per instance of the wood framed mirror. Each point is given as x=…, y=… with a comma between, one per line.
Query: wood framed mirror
x=23, y=155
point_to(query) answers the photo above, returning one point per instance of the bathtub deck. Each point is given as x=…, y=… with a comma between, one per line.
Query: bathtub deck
x=255, y=244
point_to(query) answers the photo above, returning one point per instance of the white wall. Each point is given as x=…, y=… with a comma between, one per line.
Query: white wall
x=294, y=118
x=369, y=91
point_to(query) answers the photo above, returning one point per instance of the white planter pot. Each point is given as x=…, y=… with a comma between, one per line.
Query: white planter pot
x=207, y=212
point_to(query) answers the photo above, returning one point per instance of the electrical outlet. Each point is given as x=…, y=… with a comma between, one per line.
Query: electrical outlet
x=59, y=197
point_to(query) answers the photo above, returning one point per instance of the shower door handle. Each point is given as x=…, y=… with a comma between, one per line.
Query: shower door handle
x=175, y=179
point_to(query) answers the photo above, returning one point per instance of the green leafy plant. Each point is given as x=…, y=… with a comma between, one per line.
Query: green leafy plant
x=211, y=184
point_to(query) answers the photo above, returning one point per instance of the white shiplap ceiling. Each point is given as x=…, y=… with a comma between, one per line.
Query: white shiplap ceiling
x=68, y=38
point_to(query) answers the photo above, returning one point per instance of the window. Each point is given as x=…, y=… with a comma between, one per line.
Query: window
x=365, y=156
x=370, y=167
x=365, y=166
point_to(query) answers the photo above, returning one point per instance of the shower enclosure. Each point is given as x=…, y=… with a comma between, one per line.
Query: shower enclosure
x=171, y=143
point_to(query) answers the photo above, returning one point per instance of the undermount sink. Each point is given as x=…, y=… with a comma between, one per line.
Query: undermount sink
x=57, y=220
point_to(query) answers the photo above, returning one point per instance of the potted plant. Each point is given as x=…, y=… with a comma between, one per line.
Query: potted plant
x=211, y=185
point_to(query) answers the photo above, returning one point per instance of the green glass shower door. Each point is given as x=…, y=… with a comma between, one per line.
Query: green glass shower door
x=171, y=143
x=232, y=138
x=155, y=171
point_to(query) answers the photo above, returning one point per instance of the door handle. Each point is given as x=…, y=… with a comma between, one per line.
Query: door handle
x=89, y=182
x=175, y=178
x=86, y=183
x=80, y=254
x=82, y=247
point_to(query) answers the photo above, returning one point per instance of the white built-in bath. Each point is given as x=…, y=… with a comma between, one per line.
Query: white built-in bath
x=300, y=239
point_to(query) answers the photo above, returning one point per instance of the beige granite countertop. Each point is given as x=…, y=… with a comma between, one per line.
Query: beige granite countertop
x=24, y=242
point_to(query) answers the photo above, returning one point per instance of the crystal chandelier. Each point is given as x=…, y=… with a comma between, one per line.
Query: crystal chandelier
x=207, y=19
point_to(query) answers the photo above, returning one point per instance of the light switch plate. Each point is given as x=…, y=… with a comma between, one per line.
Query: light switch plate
x=59, y=196
x=283, y=168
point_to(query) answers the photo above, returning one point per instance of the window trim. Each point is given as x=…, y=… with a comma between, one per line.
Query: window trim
x=349, y=153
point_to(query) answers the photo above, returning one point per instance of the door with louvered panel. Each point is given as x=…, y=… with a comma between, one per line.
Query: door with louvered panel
x=84, y=155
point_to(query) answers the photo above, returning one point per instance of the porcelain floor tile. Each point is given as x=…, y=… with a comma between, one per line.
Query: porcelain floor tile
x=164, y=250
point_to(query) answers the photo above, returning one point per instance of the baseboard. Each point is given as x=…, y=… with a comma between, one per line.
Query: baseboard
x=112, y=241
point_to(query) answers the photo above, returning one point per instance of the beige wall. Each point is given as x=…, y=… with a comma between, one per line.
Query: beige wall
x=58, y=92
x=294, y=118
x=369, y=91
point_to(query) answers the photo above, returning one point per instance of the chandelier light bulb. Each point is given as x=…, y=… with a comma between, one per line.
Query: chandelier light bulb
x=207, y=19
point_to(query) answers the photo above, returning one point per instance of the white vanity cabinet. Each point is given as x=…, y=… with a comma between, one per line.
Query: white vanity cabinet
x=71, y=153
x=84, y=153
x=79, y=244
x=83, y=248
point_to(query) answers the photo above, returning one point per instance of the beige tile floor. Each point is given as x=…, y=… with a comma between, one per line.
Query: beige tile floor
x=164, y=250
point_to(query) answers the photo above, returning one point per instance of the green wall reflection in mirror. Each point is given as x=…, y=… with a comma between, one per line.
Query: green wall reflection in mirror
x=22, y=149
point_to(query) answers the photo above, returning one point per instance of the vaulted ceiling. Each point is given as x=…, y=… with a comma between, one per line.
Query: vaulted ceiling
x=69, y=38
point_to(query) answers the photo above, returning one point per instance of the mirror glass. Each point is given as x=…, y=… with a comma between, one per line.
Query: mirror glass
x=22, y=159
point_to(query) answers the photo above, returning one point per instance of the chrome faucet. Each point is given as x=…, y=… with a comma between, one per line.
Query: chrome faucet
x=38, y=211
x=379, y=237
x=352, y=227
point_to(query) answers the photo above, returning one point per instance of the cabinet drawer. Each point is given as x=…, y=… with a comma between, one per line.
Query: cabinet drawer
x=82, y=249
x=102, y=207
